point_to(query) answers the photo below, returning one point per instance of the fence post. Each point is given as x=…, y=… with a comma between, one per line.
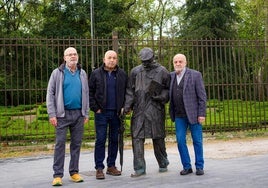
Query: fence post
x=115, y=41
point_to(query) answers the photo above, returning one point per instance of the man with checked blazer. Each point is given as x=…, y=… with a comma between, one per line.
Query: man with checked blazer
x=188, y=110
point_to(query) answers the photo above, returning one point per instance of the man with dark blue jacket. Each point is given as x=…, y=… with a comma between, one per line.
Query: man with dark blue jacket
x=107, y=86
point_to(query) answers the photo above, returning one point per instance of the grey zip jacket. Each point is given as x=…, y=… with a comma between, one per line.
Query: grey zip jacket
x=54, y=98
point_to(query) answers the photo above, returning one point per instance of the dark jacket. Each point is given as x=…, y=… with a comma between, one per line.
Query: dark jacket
x=97, y=88
x=194, y=95
x=147, y=94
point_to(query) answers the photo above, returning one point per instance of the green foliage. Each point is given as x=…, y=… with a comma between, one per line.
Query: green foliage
x=17, y=110
x=155, y=18
x=20, y=18
x=4, y=121
x=114, y=16
x=227, y=115
x=136, y=18
x=66, y=18
x=236, y=115
x=209, y=19
x=252, y=19
x=73, y=18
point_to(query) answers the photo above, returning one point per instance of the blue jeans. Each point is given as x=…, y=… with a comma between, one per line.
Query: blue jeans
x=104, y=120
x=182, y=125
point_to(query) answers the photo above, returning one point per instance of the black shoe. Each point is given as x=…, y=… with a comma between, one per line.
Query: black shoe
x=199, y=172
x=164, y=168
x=186, y=171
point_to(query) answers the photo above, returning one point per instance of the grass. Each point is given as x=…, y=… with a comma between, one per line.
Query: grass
x=25, y=125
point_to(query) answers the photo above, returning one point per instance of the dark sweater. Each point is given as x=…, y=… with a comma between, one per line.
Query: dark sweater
x=177, y=97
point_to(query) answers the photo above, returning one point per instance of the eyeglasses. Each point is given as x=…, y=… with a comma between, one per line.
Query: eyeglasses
x=71, y=54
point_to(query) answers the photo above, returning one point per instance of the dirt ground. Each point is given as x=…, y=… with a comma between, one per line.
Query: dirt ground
x=232, y=148
x=227, y=147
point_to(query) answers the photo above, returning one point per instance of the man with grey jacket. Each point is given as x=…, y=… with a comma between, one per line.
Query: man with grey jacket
x=188, y=110
x=68, y=108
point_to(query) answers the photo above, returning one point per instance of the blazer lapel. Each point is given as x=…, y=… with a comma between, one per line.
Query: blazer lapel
x=186, y=78
x=173, y=76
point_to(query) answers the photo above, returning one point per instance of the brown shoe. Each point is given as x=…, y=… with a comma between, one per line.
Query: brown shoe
x=113, y=171
x=99, y=174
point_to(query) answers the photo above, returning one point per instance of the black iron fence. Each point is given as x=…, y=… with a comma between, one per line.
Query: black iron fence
x=235, y=74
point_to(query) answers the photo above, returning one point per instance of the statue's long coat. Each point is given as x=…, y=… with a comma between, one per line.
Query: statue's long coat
x=147, y=100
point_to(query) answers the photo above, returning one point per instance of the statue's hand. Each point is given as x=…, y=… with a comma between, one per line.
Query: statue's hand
x=157, y=98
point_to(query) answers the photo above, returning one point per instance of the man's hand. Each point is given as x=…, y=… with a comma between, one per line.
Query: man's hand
x=201, y=119
x=53, y=121
x=86, y=120
x=124, y=112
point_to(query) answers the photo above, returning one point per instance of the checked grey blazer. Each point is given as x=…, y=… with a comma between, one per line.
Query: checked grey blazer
x=194, y=95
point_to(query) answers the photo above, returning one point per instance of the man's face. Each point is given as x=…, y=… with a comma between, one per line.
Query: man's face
x=110, y=60
x=71, y=57
x=179, y=62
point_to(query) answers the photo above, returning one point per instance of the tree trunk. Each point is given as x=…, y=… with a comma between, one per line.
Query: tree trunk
x=266, y=47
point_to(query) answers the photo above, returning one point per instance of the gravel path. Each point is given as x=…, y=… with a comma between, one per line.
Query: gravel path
x=232, y=148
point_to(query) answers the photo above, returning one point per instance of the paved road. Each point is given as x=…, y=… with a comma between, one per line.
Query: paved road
x=36, y=172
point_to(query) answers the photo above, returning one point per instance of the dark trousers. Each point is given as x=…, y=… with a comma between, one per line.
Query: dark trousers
x=74, y=121
x=106, y=123
x=138, y=152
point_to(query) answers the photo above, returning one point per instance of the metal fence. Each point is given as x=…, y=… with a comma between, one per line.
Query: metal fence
x=234, y=71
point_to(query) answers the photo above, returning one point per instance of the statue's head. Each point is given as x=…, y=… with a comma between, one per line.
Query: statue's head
x=147, y=56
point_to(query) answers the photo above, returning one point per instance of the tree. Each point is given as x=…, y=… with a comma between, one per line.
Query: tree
x=73, y=19
x=266, y=45
x=254, y=25
x=66, y=18
x=209, y=19
x=114, y=15
x=19, y=17
x=156, y=18
x=252, y=19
